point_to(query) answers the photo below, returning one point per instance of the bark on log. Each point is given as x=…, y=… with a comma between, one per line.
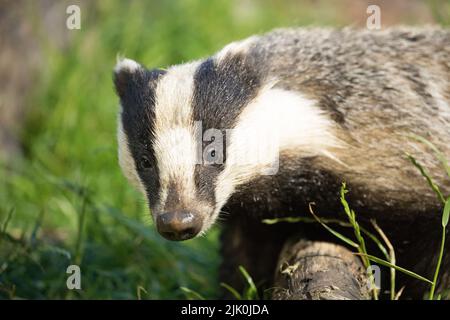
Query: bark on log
x=311, y=270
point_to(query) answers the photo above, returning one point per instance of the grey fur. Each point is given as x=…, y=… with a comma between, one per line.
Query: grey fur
x=378, y=86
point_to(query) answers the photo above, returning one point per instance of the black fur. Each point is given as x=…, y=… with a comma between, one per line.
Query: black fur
x=136, y=90
x=235, y=81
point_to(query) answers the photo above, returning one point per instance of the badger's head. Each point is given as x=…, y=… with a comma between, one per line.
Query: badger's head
x=189, y=135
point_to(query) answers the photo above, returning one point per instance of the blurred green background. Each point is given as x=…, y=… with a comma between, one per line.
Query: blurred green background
x=63, y=199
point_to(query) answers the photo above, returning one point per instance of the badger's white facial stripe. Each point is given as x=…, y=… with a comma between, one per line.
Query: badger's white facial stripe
x=276, y=120
x=174, y=143
x=175, y=151
x=126, y=161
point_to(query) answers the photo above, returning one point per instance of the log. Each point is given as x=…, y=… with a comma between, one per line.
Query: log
x=313, y=270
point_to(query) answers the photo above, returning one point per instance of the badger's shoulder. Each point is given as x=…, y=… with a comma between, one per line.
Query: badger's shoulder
x=373, y=88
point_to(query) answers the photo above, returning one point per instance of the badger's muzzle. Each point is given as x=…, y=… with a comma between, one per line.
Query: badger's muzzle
x=178, y=226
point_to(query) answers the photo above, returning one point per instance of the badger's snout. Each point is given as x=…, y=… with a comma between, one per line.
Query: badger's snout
x=178, y=226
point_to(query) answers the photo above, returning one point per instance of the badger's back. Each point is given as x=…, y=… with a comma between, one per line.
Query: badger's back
x=378, y=88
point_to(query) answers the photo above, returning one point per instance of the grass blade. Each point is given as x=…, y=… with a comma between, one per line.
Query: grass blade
x=427, y=177
x=139, y=291
x=438, y=153
x=193, y=293
x=399, y=293
x=344, y=202
x=329, y=221
x=7, y=220
x=446, y=213
x=252, y=292
x=376, y=241
x=390, y=265
x=438, y=265
x=357, y=231
x=288, y=219
x=232, y=290
x=306, y=220
x=391, y=256
x=333, y=232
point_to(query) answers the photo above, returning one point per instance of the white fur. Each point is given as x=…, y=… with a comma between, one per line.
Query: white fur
x=126, y=161
x=277, y=120
x=174, y=143
x=126, y=64
x=237, y=47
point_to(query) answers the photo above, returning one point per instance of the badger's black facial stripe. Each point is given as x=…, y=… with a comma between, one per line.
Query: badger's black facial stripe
x=221, y=90
x=205, y=177
x=174, y=200
x=136, y=89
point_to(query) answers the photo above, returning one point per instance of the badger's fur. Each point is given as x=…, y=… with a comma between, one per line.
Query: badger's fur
x=320, y=107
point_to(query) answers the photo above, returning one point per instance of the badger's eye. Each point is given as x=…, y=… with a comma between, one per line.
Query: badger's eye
x=145, y=163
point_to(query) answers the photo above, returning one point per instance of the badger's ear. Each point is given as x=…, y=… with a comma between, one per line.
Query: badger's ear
x=128, y=74
x=134, y=83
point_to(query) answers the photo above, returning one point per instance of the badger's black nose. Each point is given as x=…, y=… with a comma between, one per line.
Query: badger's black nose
x=178, y=226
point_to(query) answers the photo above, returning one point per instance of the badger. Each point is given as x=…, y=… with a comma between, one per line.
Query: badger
x=272, y=123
